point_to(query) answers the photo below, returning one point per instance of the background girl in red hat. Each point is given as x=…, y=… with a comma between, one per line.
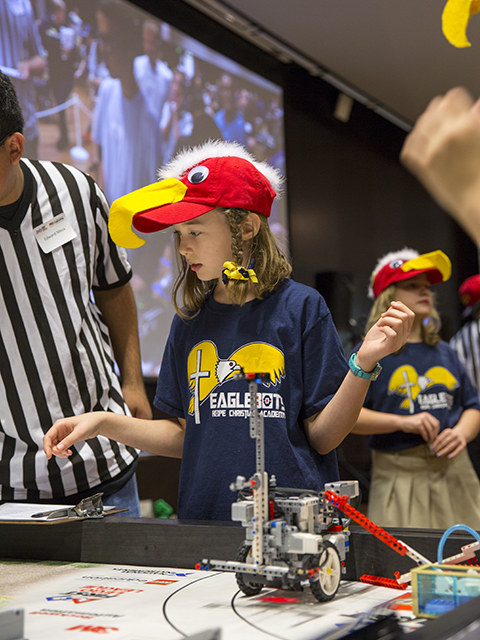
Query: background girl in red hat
x=237, y=308
x=422, y=411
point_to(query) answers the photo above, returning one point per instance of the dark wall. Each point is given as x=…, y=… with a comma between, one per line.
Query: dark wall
x=350, y=201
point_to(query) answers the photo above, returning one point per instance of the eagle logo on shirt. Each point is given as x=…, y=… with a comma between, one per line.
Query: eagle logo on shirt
x=405, y=381
x=206, y=370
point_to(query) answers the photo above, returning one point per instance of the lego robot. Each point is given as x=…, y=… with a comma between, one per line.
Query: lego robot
x=294, y=538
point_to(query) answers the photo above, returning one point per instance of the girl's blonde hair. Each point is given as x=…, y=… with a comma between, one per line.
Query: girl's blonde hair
x=271, y=267
x=430, y=331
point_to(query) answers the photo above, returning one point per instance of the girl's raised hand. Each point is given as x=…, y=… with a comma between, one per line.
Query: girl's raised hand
x=386, y=336
x=67, y=431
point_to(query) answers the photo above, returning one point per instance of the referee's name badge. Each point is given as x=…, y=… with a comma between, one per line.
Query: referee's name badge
x=54, y=233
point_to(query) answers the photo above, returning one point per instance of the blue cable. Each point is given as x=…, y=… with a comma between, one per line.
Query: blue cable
x=443, y=539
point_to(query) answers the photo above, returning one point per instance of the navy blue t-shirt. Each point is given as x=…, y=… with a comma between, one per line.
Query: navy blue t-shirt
x=420, y=378
x=291, y=335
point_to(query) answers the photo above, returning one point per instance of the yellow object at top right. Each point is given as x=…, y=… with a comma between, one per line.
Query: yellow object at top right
x=455, y=18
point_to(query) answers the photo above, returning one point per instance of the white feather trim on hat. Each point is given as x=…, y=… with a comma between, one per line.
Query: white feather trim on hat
x=404, y=254
x=191, y=156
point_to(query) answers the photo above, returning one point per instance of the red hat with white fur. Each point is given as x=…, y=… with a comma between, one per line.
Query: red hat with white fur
x=408, y=263
x=197, y=180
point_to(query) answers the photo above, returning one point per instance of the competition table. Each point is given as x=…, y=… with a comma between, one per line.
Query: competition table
x=182, y=544
x=179, y=543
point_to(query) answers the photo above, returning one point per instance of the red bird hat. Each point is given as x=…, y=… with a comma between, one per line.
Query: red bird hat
x=408, y=263
x=216, y=174
x=469, y=293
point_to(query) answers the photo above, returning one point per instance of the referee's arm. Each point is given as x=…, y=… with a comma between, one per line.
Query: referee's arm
x=119, y=311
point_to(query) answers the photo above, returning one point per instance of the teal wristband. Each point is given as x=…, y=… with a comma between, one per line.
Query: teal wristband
x=360, y=373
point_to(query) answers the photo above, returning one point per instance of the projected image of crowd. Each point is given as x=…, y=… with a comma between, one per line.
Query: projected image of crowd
x=117, y=92
x=140, y=93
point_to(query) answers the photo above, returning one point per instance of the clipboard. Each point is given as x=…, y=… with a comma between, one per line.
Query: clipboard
x=89, y=508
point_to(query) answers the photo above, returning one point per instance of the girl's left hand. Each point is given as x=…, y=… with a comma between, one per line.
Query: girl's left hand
x=386, y=336
x=449, y=442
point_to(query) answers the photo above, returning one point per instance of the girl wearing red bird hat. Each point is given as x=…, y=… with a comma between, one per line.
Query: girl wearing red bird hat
x=237, y=309
x=422, y=412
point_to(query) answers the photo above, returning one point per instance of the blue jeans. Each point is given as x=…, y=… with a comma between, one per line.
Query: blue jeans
x=126, y=498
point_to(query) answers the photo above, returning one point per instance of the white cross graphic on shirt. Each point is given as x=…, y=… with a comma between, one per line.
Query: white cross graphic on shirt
x=196, y=376
x=408, y=390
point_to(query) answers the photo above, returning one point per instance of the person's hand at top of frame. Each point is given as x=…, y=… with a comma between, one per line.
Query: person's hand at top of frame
x=443, y=152
x=386, y=336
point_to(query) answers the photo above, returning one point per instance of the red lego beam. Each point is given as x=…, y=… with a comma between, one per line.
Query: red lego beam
x=341, y=502
x=383, y=582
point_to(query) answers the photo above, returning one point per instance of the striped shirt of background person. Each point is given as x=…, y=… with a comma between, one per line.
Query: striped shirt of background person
x=466, y=343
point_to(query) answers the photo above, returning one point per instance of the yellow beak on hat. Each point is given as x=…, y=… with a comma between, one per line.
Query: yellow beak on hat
x=433, y=260
x=455, y=17
x=125, y=208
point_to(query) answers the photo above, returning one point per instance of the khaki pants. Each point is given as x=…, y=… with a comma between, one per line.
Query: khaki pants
x=413, y=488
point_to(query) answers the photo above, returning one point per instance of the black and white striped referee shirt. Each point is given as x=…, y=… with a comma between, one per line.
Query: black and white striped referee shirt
x=55, y=353
x=466, y=343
